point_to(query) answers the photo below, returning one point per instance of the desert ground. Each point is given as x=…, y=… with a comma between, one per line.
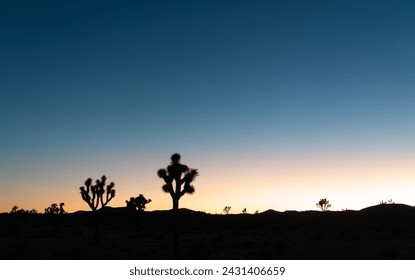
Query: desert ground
x=384, y=231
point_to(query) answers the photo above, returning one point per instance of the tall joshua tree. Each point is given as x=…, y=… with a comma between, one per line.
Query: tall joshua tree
x=178, y=178
x=179, y=175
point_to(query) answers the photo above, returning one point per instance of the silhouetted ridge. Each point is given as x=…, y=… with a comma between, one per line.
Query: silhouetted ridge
x=392, y=213
x=388, y=207
x=113, y=210
x=269, y=212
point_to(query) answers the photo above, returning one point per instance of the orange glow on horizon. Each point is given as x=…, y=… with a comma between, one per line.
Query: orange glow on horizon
x=351, y=182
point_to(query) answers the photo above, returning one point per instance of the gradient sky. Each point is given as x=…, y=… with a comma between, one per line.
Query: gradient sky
x=277, y=103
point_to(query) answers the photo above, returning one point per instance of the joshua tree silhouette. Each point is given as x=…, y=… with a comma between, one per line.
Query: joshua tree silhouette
x=97, y=191
x=323, y=204
x=181, y=175
x=93, y=195
x=137, y=203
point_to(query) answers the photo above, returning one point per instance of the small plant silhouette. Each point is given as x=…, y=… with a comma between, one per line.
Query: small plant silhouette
x=390, y=201
x=94, y=195
x=244, y=211
x=226, y=210
x=16, y=210
x=181, y=175
x=54, y=209
x=323, y=204
x=137, y=203
x=55, y=213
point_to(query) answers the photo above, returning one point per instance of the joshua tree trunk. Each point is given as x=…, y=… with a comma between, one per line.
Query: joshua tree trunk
x=176, y=240
x=175, y=204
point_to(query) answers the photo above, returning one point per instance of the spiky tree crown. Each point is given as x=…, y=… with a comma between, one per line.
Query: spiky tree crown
x=179, y=173
x=175, y=158
x=94, y=195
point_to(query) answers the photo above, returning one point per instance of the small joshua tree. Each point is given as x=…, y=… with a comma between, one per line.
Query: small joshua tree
x=226, y=210
x=181, y=175
x=94, y=194
x=54, y=209
x=137, y=203
x=323, y=204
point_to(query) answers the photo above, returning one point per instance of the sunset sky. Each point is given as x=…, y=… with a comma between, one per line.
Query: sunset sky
x=276, y=103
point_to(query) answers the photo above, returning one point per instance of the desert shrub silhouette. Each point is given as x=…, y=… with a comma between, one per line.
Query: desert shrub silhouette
x=16, y=210
x=390, y=201
x=323, y=204
x=55, y=213
x=54, y=209
x=94, y=195
x=137, y=203
x=181, y=175
x=226, y=209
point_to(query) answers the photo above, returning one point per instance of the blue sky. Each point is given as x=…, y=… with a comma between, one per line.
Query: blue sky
x=108, y=86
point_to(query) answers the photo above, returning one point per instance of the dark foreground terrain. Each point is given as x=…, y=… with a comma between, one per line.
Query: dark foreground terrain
x=378, y=232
